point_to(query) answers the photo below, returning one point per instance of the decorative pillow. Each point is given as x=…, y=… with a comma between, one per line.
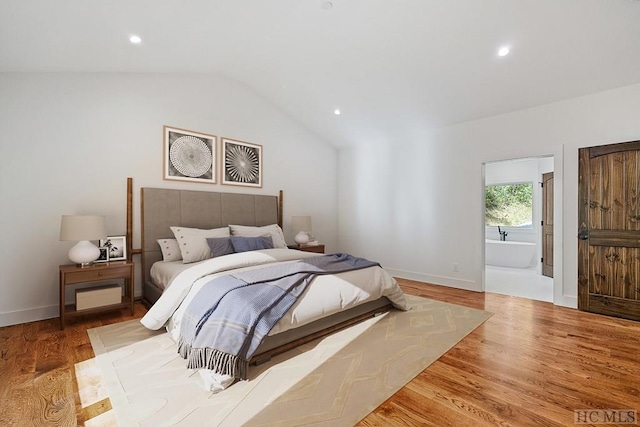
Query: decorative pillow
x=272, y=230
x=193, y=242
x=220, y=246
x=170, y=249
x=244, y=244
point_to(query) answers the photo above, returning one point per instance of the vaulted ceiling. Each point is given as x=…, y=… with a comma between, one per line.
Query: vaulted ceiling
x=395, y=69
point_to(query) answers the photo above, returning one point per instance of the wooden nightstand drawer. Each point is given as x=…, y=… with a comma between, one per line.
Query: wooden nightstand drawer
x=95, y=274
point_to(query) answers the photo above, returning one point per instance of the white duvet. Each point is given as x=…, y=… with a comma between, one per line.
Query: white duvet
x=326, y=295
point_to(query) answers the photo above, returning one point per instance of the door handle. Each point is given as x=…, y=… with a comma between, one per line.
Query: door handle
x=583, y=234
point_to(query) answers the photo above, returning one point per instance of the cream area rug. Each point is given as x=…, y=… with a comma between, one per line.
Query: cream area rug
x=333, y=381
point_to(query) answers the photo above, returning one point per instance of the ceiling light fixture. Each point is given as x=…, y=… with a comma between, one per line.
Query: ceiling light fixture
x=336, y=111
x=326, y=5
x=504, y=51
x=135, y=39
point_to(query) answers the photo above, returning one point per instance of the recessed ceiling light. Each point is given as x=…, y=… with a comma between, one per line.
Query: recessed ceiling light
x=135, y=39
x=336, y=111
x=326, y=5
x=504, y=51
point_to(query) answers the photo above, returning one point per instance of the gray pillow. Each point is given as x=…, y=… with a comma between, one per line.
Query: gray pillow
x=193, y=245
x=220, y=246
x=273, y=230
x=244, y=244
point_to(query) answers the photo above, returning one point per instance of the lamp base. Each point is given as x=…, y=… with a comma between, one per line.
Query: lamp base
x=301, y=238
x=84, y=253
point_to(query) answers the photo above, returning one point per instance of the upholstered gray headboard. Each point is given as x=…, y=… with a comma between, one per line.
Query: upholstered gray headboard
x=164, y=208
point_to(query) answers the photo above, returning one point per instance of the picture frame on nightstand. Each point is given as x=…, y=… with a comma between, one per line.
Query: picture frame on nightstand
x=104, y=254
x=117, y=247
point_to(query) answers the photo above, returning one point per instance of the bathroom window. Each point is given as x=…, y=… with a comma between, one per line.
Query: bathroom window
x=509, y=205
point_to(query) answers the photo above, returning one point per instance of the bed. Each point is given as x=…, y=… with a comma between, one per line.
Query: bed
x=329, y=303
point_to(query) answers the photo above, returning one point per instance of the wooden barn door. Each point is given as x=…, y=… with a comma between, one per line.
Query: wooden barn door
x=609, y=230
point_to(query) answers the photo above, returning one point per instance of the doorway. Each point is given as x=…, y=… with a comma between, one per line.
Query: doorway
x=525, y=239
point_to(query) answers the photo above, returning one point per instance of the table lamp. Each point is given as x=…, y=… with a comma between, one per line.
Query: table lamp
x=302, y=225
x=83, y=228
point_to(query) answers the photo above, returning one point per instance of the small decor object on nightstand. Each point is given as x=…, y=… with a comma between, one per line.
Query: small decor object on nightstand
x=302, y=225
x=104, y=254
x=83, y=228
x=117, y=246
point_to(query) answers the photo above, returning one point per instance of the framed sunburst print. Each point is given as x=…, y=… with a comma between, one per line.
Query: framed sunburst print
x=189, y=156
x=241, y=163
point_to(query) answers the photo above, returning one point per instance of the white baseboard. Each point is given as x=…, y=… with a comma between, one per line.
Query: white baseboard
x=566, y=301
x=29, y=315
x=32, y=314
x=451, y=282
x=469, y=285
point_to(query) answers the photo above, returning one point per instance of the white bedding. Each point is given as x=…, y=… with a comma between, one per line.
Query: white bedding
x=162, y=272
x=326, y=295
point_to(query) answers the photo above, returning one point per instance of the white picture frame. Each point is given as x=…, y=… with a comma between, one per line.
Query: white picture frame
x=117, y=246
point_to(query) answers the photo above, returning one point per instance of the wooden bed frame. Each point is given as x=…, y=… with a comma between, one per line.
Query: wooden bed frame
x=163, y=208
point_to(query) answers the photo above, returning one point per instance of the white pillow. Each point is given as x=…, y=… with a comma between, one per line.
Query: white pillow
x=193, y=242
x=170, y=249
x=273, y=230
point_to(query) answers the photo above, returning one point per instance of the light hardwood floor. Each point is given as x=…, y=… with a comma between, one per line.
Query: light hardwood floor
x=531, y=364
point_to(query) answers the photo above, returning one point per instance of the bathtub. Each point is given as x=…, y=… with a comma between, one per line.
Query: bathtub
x=509, y=253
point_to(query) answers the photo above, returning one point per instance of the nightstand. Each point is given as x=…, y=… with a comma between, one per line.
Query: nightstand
x=310, y=248
x=97, y=273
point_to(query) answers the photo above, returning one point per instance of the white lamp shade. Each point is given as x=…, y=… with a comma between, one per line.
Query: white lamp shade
x=301, y=223
x=83, y=227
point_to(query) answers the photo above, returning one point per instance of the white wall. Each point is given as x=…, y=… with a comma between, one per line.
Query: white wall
x=418, y=209
x=69, y=141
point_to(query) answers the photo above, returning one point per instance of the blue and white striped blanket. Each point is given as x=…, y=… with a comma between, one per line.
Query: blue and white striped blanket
x=229, y=317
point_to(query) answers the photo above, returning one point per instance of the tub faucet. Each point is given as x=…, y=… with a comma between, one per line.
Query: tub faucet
x=503, y=234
